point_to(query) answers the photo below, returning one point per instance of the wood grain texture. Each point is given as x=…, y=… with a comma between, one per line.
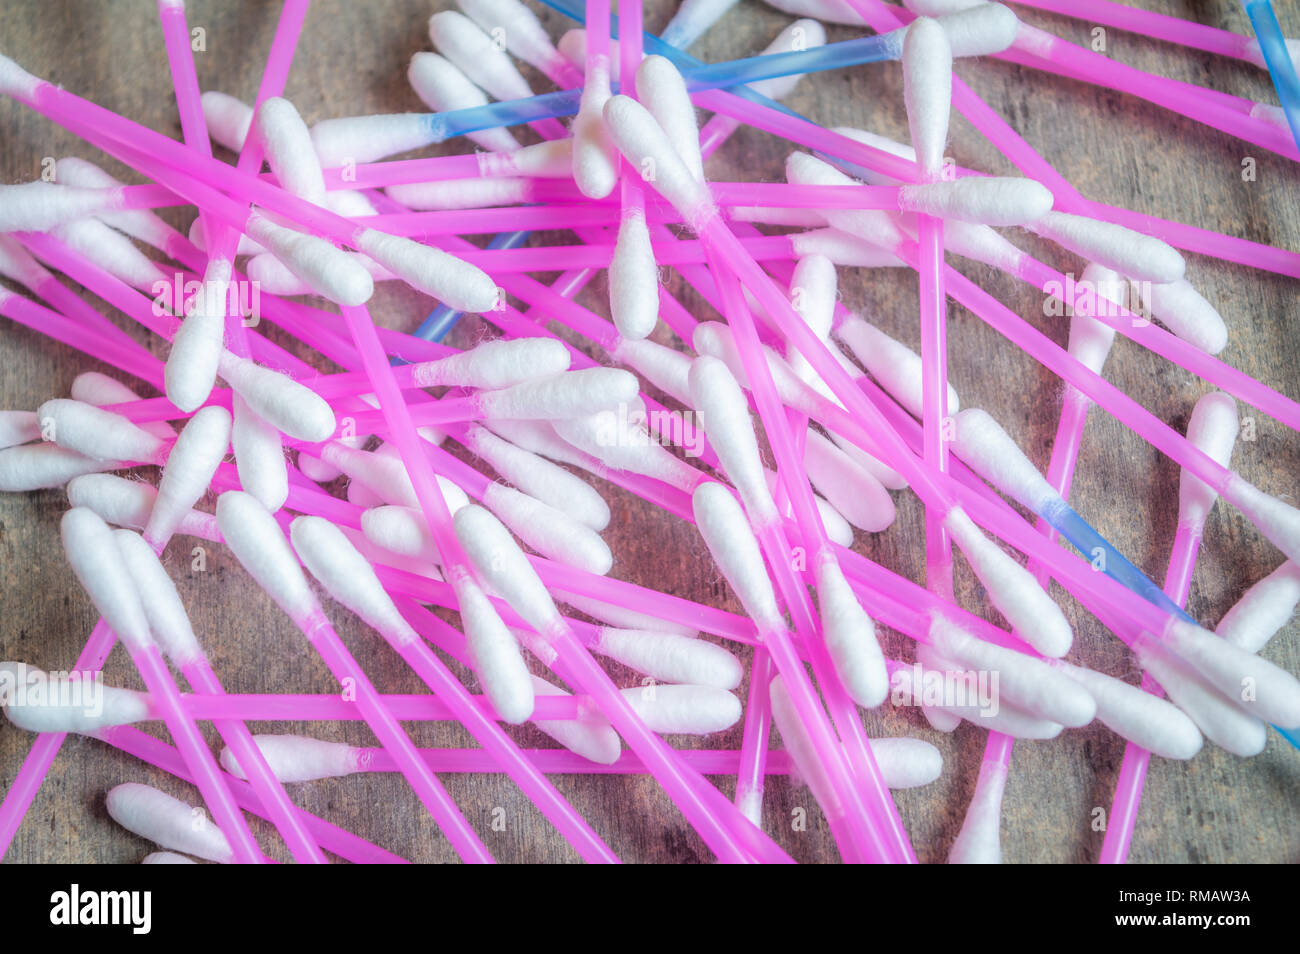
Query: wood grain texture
x=1114, y=148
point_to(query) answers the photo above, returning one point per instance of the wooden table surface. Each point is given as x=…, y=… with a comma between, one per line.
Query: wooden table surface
x=352, y=60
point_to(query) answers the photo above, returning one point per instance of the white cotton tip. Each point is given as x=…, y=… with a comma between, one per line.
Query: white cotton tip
x=561, y=396
x=854, y=492
x=477, y=193
x=17, y=264
x=851, y=638
x=1012, y=588
x=451, y=280
x=1256, y=56
x=572, y=45
x=500, y=363
x=660, y=87
x=887, y=476
x=355, y=139
x=980, y=840
x=721, y=403
x=95, y=432
x=16, y=81
x=634, y=279
x=1144, y=719
x=842, y=249
x=716, y=340
x=503, y=566
x=1127, y=252
x=39, y=466
x=444, y=88
x=191, y=368
x=1254, y=683
x=37, y=701
x=981, y=244
x=1279, y=522
x=549, y=531
x=517, y=26
x=273, y=277
x=802, y=34
x=112, y=251
x=927, y=91
x=692, y=19
x=906, y=762
x=1027, y=683
x=595, y=156
x=883, y=143
x=190, y=465
x=1223, y=723
x=298, y=758
x=289, y=150
x=94, y=556
x=992, y=200
x=540, y=438
x=981, y=30
x=813, y=289
x=684, y=710
x=1213, y=429
x=540, y=478
x=646, y=146
x=1181, y=309
x=259, y=457
x=895, y=366
x=1264, y=609
x=91, y=387
x=316, y=470
x=40, y=206
x=496, y=655
x=349, y=203
x=167, y=822
x=291, y=407
x=141, y=224
x=838, y=530
x=620, y=617
x=163, y=608
x=401, y=530
x=346, y=575
x=245, y=245
x=666, y=368
x=553, y=159
x=18, y=427
x=593, y=738
x=228, y=119
x=726, y=532
x=459, y=38
x=874, y=225
x=386, y=476
x=129, y=503
x=329, y=271
x=803, y=752
x=166, y=858
x=670, y=658
x=988, y=450
x=1090, y=338
x=259, y=544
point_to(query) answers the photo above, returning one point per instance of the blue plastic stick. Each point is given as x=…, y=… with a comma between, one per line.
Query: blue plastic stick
x=1273, y=45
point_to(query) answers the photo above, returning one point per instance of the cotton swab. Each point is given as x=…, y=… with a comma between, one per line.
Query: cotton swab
x=259, y=544
x=1263, y=610
x=907, y=763
x=167, y=822
x=351, y=580
x=93, y=554
x=443, y=87
x=171, y=627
